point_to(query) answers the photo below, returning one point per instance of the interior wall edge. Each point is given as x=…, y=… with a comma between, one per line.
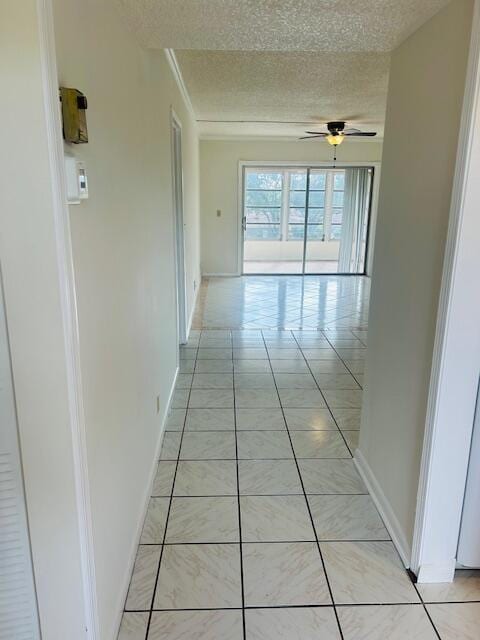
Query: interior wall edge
x=384, y=507
x=416, y=192
x=434, y=560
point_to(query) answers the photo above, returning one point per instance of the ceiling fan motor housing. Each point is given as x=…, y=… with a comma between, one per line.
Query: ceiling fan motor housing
x=336, y=127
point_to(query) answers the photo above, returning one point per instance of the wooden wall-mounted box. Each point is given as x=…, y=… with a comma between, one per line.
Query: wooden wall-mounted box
x=74, y=108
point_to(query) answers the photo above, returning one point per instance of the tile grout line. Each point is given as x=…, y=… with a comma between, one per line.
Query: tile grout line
x=259, y=542
x=426, y=610
x=341, y=605
x=323, y=396
x=253, y=459
x=306, y=498
x=343, y=361
x=242, y=580
x=259, y=495
x=147, y=631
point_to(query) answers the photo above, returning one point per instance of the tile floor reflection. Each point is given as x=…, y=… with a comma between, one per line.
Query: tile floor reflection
x=259, y=526
x=262, y=302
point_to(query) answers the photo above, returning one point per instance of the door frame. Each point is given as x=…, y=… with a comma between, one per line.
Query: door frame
x=456, y=355
x=68, y=304
x=179, y=226
x=245, y=164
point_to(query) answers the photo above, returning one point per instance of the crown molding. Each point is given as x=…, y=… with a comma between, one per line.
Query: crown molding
x=177, y=74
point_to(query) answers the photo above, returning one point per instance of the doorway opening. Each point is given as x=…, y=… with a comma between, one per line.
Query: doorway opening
x=306, y=220
x=177, y=183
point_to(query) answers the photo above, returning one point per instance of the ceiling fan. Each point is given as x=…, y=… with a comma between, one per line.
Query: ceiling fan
x=336, y=133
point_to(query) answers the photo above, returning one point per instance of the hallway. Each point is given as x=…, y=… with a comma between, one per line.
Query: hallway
x=259, y=526
x=314, y=435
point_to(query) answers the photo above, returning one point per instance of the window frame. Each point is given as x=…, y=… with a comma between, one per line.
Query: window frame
x=286, y=173
x=328, y=207
x=287, y=207
x=284, y=224
x=332, y=207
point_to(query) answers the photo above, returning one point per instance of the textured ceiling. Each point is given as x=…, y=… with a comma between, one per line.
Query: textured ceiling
x=275, y=63
x=288, y=87
x=277, y=25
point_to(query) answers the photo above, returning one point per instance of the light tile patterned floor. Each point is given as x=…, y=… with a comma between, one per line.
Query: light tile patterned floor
x=260, y=527
x=294, y=302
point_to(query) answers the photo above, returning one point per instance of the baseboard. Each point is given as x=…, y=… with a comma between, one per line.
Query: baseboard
x=220, y=275
x=192, y=310
x=143, y=511
x=384, y=508
x=436, y=572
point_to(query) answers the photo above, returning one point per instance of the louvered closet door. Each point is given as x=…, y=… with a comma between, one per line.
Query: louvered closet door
x=18, y=612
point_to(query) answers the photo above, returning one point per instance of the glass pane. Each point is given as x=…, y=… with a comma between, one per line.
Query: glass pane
x=320, y=255
x=263, y=180
x=317, y=180
x=315, y=231
x=295, y=231
x=296, y=215
x=316, y=199
x=316, y=216
x=337, y=216
x=263, y=215
x=263, y=198
x=298, y=181
x=297, y=198
x=262, y=232
x=339, y=181
x=336, y=232
x=337, y=199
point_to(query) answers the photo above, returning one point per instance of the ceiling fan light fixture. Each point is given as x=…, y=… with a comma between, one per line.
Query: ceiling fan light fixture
x=335, y=139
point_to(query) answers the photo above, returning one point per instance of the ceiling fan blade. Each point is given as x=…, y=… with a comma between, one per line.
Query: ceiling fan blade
x=363, y=134
x=351, y=130
x=317, y=135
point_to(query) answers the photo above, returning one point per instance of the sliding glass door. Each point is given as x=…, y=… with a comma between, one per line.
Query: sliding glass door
x=306, y=220
x=272, y=244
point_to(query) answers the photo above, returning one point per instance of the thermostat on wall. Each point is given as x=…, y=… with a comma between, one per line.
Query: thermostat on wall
x=77, y=184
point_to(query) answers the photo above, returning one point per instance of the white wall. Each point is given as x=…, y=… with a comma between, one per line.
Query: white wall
x=123, y=249
x=219, y=160
x=34, y=315
x=424, y=105
x=273, y=250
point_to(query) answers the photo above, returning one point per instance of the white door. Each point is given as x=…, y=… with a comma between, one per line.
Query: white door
x=18, y=611
x=468, y=553
x=179, y=229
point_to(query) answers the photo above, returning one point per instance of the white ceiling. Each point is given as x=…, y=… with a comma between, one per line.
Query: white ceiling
x=278, y=90
x=272, y=63
x=277, y=25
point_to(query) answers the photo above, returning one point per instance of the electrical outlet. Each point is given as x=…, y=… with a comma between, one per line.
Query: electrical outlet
x=158, y=404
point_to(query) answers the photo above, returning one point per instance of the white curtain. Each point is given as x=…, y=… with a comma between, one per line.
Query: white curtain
x=355, y=215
